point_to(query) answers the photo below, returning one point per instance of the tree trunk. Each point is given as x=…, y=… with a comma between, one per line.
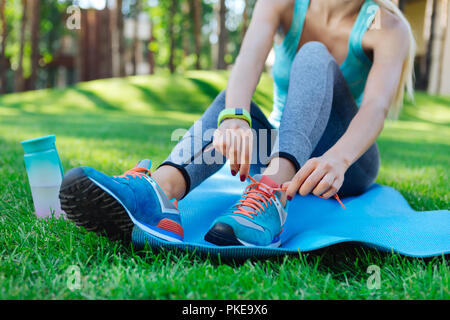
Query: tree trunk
x=445, y=79
x=187, y=27
x=151, y=54
x=436, y=45
x=173, y=11
x=245, y=19
x=35, y=30
x=3, y=70
x=19, y=80
x=103, y=44
x=121, y=39
x=221, y=64
x=134, y=50
x=196, y=9
x=107, y=45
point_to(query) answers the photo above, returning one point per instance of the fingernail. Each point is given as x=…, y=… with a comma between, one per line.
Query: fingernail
x=289, y=198
x=233, y=173
x=242, y=178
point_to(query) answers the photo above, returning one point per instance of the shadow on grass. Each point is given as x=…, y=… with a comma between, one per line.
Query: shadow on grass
x=58, y=95
x=180, y=100
x=98, y=126
x=261, y=98
x=206, y=88
x=152, y=98
x=47, y=99
x=96, y=99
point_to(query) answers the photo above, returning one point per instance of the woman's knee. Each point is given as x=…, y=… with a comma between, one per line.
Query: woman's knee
x=312, y=54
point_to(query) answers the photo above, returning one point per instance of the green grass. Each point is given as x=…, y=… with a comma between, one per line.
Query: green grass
x=111, y=124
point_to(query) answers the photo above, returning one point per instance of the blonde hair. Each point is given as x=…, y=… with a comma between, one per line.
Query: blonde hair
x=407, y=76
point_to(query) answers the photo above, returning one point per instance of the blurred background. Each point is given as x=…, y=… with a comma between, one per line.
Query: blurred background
x=56, y=43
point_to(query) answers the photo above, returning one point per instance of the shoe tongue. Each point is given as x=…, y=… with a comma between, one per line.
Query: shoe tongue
x=266, y=181
x=147, y=164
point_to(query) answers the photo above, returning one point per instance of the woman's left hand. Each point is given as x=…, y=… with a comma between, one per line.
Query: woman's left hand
x=323, y=176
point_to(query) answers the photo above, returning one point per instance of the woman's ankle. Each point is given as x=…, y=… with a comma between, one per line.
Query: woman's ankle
x=171, y=181
x=280, y=170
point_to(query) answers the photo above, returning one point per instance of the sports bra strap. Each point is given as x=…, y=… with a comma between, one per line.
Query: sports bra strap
x=294, y=34
x=362, y=24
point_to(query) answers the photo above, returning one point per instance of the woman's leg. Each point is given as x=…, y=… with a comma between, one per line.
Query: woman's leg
x=318, y=111
x=188, y=165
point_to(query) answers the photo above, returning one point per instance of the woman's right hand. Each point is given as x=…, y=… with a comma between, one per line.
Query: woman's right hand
x=234, y=139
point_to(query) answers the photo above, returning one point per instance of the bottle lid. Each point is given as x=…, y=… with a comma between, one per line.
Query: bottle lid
x=39, y=144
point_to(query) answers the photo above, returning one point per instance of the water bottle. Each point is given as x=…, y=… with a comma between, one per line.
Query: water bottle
x=45, y=174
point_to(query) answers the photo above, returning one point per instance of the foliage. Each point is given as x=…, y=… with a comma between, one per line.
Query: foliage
x=53, y=29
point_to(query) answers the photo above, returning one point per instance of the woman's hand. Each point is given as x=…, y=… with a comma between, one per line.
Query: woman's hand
x=234, y=139
x=323, y=176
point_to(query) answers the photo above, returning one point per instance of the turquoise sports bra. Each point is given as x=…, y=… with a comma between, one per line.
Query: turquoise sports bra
x=355, y=68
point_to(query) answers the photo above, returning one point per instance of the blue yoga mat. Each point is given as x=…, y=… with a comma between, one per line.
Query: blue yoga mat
x=380, y=218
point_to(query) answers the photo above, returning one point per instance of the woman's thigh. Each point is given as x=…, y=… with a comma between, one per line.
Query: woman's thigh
x=362, y=174
x=318, y=112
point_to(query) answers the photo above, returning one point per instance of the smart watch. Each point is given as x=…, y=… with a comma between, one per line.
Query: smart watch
x=231, y=113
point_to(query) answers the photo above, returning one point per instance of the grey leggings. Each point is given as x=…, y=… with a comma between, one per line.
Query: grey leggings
x=317, y=113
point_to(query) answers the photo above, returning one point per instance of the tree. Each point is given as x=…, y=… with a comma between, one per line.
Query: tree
x=436, y=46
x=19, y=78
x=196, y=10
x=135, y=46
x=35, y=29
x=120, y=39
x=186, y=24
x=3, y=70
x=172, y=36
x=221, y=64
x=151, y=54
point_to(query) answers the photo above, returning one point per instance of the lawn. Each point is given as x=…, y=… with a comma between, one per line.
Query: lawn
x=111, y=124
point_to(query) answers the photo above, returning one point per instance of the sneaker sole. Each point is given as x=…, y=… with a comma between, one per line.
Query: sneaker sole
x=152, y=230
x=90, y=207
x=222, y=234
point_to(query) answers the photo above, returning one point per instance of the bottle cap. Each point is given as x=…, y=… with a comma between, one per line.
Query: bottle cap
x=39, y=144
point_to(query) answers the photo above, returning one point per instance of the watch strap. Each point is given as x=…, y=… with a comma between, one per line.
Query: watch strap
x=234, y=113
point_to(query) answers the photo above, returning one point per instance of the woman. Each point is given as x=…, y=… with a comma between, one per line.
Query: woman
x=340, y=68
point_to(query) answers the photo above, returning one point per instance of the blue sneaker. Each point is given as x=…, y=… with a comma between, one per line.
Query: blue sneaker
x=255, y=220
x=111, y=206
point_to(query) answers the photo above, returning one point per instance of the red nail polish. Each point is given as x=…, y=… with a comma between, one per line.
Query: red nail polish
x=233, y=172
x=289, y=198
x=242, y=178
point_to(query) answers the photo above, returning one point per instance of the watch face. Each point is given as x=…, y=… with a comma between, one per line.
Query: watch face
x=239, y=112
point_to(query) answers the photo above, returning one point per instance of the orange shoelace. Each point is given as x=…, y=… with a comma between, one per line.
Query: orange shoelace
x=135, y=173
x=255, y=195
